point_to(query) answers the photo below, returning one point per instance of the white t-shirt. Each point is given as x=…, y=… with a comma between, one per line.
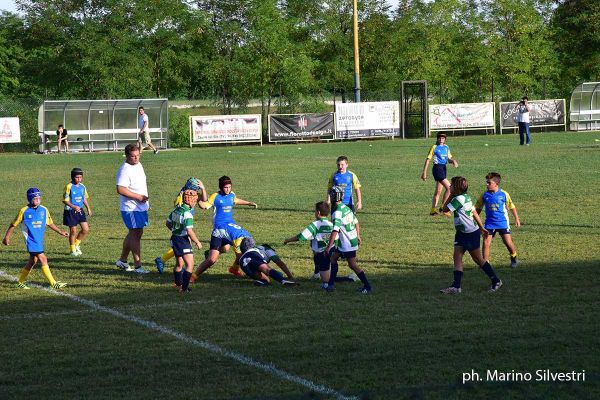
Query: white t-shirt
x=133, y=178
x=144, y=123
x=523, y=114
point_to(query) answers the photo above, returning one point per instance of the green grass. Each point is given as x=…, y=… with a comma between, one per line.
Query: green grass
x=404, y=341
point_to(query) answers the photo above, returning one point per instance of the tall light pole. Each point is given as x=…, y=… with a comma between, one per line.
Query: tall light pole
x=356, y=57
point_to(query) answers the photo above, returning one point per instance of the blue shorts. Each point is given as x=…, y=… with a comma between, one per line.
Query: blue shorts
x=250, y=262
x=468, y=241
x=72, y=218
x=502, y=232
x=439, y=172
x=181, y=245
x=135, y=219
x=345, y=254
x=35, y=253
x=321, y=260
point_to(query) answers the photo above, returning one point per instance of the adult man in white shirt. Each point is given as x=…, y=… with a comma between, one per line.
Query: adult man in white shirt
x=523, y=118
x=144, y=132
x=133, y=203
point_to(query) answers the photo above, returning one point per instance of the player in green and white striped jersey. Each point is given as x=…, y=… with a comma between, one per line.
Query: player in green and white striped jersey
x=468, y=235
x=346, y=237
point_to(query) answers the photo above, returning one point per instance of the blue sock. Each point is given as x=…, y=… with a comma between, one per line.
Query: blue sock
x=178, y=277
x=186, y=280
x=489, y=271
x=457, y=278
x=333, y=274
x=276, y=275
x=363, y=279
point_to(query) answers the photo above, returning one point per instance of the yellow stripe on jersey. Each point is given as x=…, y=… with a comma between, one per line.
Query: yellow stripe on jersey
x=19, y=217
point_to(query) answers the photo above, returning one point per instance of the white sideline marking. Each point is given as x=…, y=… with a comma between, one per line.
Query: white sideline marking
x=242, y=359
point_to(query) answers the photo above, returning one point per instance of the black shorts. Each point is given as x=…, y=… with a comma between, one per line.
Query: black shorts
x=321, y=261
x=181, y=245
x=216, y=242
x=439, y=172
x=72, y=218
x=468, y=241
x=502, y=232
x=250, y=261
x=345, y=254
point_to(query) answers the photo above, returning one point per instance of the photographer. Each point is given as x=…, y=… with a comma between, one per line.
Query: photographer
x=523, y=118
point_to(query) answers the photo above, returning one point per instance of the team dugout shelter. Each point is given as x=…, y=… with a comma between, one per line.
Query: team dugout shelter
x=585, y=107
x=101, y=125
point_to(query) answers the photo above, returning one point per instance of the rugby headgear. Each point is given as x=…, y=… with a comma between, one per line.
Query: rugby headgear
x=336, y=194
x=247, y=244
x=224, y=180
x=190, y=197
x=75, y=172
x=32, y=193
x=192, y=184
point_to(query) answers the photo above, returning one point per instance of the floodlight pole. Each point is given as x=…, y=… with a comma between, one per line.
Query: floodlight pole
x=356, y=56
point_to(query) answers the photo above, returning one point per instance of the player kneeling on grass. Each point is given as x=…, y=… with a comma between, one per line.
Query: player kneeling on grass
x=33, y=219
x=468, y=234
x=75, y=197
x=255, y=265
x=181, y=224
x=346, y=237
x=191, y=184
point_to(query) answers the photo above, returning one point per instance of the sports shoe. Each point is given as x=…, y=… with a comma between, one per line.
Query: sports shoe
x=324, y=285
x=74, y=254
x=59, y=285
x=451, y=290
x=78, y=250
x=23, y=286
x=433, y=211
x=155, y=151
x=188, y=290
x=234, y=271
x=330, y=288
x=160, y=265
x=495, y=286
x=365, y=290
x=140, y=270
x=354, y=277
x=285, y=282
x=446, y=213
x=123, y=265
x=260, y=282
x=315, y=275
x=193, y=278
x=514, y=262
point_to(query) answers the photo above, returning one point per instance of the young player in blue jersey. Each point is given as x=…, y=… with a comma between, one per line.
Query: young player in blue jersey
x=345, y=236
x=254, y=262
x=226, y=232
x=34, y=218
x=496, y=203
x=191, y=184
x=468, y=235
x=181, y=224
x=348, y=181
x=75, y=197
x=440, y=153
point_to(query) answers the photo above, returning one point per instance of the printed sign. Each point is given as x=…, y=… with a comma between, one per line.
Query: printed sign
x=10, y=131
x=542, y=113
x=461, y=116
x=226, y=128
x=292, y=127
x=369, y=119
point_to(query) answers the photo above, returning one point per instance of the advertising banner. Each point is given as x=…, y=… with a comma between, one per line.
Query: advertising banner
x=461, y=116
x=226, y=128
x=368, y=119
x=293, y=127
x=10, y=131
x=542, y=113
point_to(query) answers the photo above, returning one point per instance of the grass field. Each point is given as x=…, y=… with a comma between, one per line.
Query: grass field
x=111, y=334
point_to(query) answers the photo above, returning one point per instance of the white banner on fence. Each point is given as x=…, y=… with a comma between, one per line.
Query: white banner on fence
x=461, y=116
x=368, y=119
x=226, y=128
x=10, y=131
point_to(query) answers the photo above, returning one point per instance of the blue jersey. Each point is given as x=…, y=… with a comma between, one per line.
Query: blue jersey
x=440, y=154
x=230, y=232
x=348, y=181
x=33, y=225
x=76, y=194
x=496, y=206
x=222, y=208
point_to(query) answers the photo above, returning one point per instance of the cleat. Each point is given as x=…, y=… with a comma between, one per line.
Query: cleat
x=447, y=213
x=365, y=290
x=354, y=277
x=315, y=275
x=140, y=270
x=188, y=290
x=155, y=151
x=324, y=285
x=451, y=290
x=495, y=286
x=160, y=265
x=514, y=262
x=59, y=285
x=285, y=282
x=433, y=211
x=330, y=288
x=193, y=278
x=124, y=266
x=74, y=254
x=23, y=285
x=78, y=250
x=234, y=271
x=261, y=282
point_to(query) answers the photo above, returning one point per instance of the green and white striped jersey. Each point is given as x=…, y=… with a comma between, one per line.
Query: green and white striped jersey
x=344, y=222
x=463, y=207
x=318, y=232
x=181, y=219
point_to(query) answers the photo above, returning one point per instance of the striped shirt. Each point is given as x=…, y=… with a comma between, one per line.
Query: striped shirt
x=463, y=207
x=181, y=219
x=318, y=232
x=344, y=222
